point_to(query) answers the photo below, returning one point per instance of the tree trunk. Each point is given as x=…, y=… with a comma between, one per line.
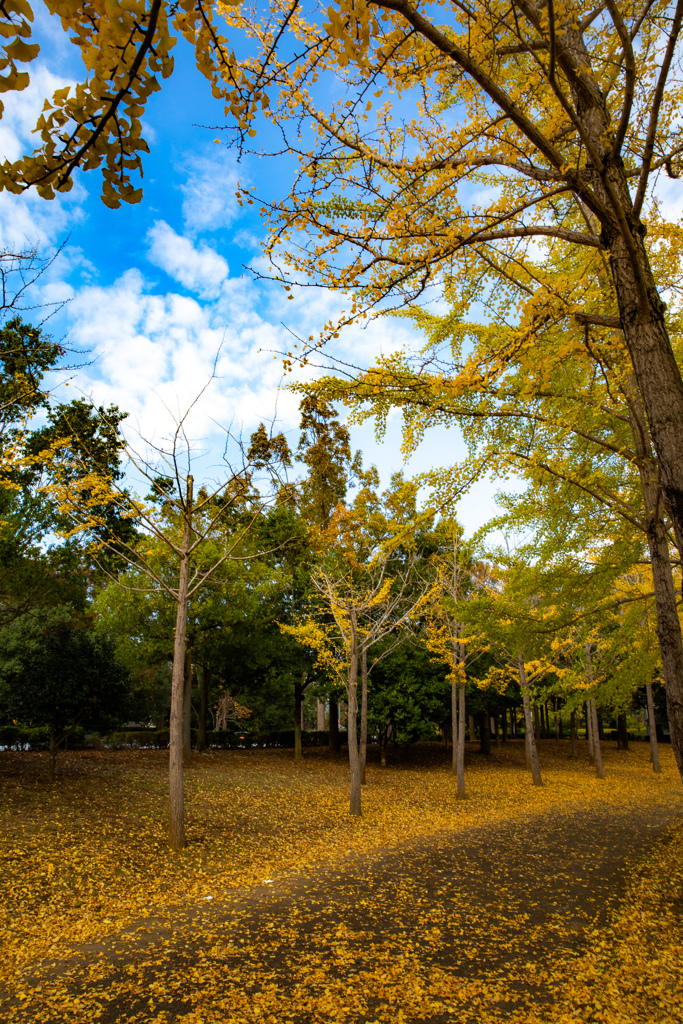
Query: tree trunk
x=352, y=723
x=53, y=750
x=652, y=729
x=454, y=706
x=622, y=730
x=334, y=742
x=176, y=794
x=203, y=707
x=187, y=711
x=484, y=731
x=460, y=764
x=472, y=729
x=529, y=739
x=572, y=733
x=668, y=622
x=537, y=722
x=589, y=732
x=496, y=728
x=596, y=742
x=319, y=715
x=383, y=737
x=298, y=706
x=504, y=723
x=364, y=716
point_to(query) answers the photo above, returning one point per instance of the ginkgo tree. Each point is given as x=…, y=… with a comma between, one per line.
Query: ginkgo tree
x=370, y=591
x=565, y=416
x=98, y=123
x=176, y=520
x=447, y=635
x=460, y=137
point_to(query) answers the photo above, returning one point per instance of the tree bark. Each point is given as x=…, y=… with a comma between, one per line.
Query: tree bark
x=537, y=722
x=320, y=715
x=298, y=706
x=203, y=707
x=668, y=622
x=383, y=737
x=596, y=742
x=622, y=730
x=460, y=762
x=652, y=729
x=176, y=794
x=454, y=706
x=334, y=742
x=352, y=722
x=187, y=711
x=473, y=735
x=589, y=732
x=364, y=715
x=529, y=739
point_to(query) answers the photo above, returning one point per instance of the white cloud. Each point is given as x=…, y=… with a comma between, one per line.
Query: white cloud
x=199, y=269
x=209, y=201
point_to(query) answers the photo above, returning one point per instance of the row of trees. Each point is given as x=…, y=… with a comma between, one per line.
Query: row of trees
x=240, y=598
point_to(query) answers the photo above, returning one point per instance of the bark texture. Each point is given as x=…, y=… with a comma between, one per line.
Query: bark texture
x=668, y=623
x=352, y=723
x=529, y=739
x=652, y=729
x=175, y=769
x=460, y=760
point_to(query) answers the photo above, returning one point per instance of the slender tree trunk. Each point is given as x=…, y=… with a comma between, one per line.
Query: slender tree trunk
x=622, y=730
x=460, y=764
x=320, y=715
x=187, y=711
x=352, y=723
x=596, y=743
x=176, y=794
x=298, y=705
x=537, y=722
x=529, y=739
x=334, y=741
x=53, y=750
x=454, y=705
x=364, y=716
x=652, y=729
x=203, y=707
x=472, y=729
x=589, y=732
x=572, y=733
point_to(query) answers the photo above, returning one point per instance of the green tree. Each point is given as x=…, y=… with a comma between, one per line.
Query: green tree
x=55, y=671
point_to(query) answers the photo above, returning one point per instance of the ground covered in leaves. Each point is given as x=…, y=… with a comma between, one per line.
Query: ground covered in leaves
x=560, y=904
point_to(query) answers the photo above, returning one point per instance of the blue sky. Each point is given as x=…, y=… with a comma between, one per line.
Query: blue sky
x=157, y=290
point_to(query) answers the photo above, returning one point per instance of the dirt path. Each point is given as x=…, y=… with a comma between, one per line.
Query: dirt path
x=422, y=932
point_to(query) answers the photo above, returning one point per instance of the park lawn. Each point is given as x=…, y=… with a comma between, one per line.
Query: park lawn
x=85, y=856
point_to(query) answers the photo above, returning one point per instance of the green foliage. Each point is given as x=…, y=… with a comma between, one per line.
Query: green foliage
x=54, y=670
